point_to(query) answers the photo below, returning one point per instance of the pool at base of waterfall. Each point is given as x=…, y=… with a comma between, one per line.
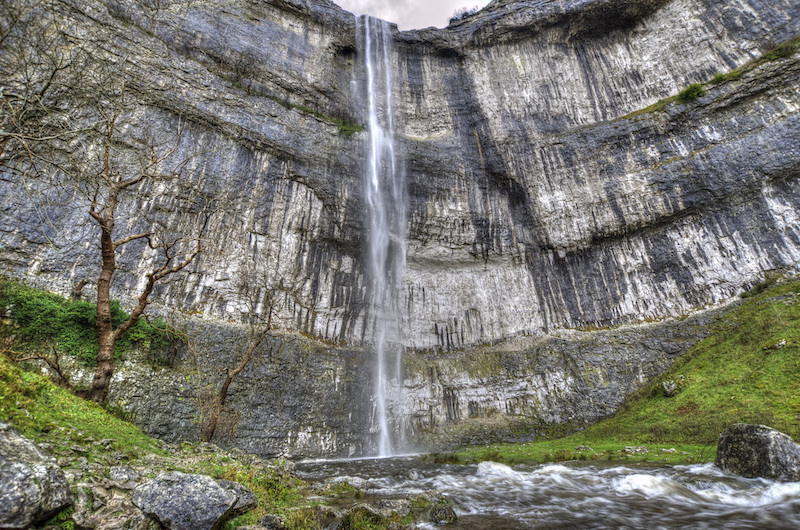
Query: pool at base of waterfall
x=496, y=496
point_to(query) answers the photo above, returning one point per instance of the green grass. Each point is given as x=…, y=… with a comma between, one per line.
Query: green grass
x=748, y=371
x=695, y=90
x=45, y=412
x=278, y=492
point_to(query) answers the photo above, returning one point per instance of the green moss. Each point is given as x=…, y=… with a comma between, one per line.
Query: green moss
x=42, y=320
x=690, y=93
x=782, y=51
x=748, y=371
x=695, y=90
x=345, y=128
x=730, y=76
x=658, y=105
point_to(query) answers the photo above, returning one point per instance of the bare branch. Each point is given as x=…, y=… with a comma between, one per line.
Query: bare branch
x=133, y=237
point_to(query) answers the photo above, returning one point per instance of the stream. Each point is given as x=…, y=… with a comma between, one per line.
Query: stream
x=576, y=495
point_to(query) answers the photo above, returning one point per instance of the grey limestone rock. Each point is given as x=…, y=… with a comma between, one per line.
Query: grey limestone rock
x=246, y=499
x=272, y=522
x=545, y=195
x=32, y=486
x=182, y=501
x=758, y=451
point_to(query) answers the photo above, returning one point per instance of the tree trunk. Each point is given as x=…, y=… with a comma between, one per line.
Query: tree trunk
x=107, y=338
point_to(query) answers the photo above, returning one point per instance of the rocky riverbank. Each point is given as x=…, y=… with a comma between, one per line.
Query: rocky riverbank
x=76, y=481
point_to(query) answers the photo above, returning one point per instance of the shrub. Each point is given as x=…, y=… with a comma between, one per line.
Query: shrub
x=691, y=93
x=730, y=76
x=782, y=51
x=463, y=12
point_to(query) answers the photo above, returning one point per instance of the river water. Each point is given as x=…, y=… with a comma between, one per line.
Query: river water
x=576, y=495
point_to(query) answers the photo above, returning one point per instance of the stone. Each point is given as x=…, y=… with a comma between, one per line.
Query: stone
x=569, y=205
x=636, y=450
x=584, y=448
x=671, y=388
x=246, y=499
x=442, y=514
x=758, y=451
x=400, y=506
x=123, y=477
x=32, y=486
x=182, y=501
x=272, y=522
x=360, y=516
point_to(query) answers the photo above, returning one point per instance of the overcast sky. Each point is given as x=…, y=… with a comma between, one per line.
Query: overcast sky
x=410, y=14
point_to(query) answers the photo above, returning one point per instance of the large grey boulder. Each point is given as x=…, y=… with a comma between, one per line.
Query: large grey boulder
x=32, y=486
x=182, y=501
x=758, y=451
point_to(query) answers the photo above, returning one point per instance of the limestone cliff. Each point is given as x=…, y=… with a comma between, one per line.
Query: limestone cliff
x=540, y=199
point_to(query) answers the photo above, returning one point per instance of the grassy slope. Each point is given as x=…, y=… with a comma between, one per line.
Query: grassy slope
x=747, y=371
x=44, y=412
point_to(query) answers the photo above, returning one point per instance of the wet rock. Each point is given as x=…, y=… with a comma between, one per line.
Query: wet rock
x=401, y=507
x=32, y=486
x=530, y=232
x=442, y=514
x=758, y=451
x=360, y=516
x=182, y=501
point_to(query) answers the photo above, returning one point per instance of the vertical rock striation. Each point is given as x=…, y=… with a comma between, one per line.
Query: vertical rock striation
x=541, y=196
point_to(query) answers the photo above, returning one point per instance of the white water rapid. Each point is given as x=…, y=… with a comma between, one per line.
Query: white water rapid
x=384, y=190
x=576, y=495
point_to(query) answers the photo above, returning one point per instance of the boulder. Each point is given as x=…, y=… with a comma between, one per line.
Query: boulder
x=246, y=499
x=758, y=451
x=360, y=516
x=182, y=501
x=442, y=513
x=32, y=486
x=272, y=522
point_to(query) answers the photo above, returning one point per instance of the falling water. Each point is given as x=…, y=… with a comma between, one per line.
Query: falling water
x=384, y=189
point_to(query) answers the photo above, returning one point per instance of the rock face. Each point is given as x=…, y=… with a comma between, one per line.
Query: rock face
x=541, y=199
x=181, y=501
x=758, y=451
x=32, y=486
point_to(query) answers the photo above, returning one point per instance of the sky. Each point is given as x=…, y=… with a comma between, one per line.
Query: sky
x=410, y=14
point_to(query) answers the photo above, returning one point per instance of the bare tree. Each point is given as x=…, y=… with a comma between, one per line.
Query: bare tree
x=261, y=290
x=173, y=252
x=69, y=119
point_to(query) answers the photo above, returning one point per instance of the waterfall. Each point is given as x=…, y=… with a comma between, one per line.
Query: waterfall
x=384, y=190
